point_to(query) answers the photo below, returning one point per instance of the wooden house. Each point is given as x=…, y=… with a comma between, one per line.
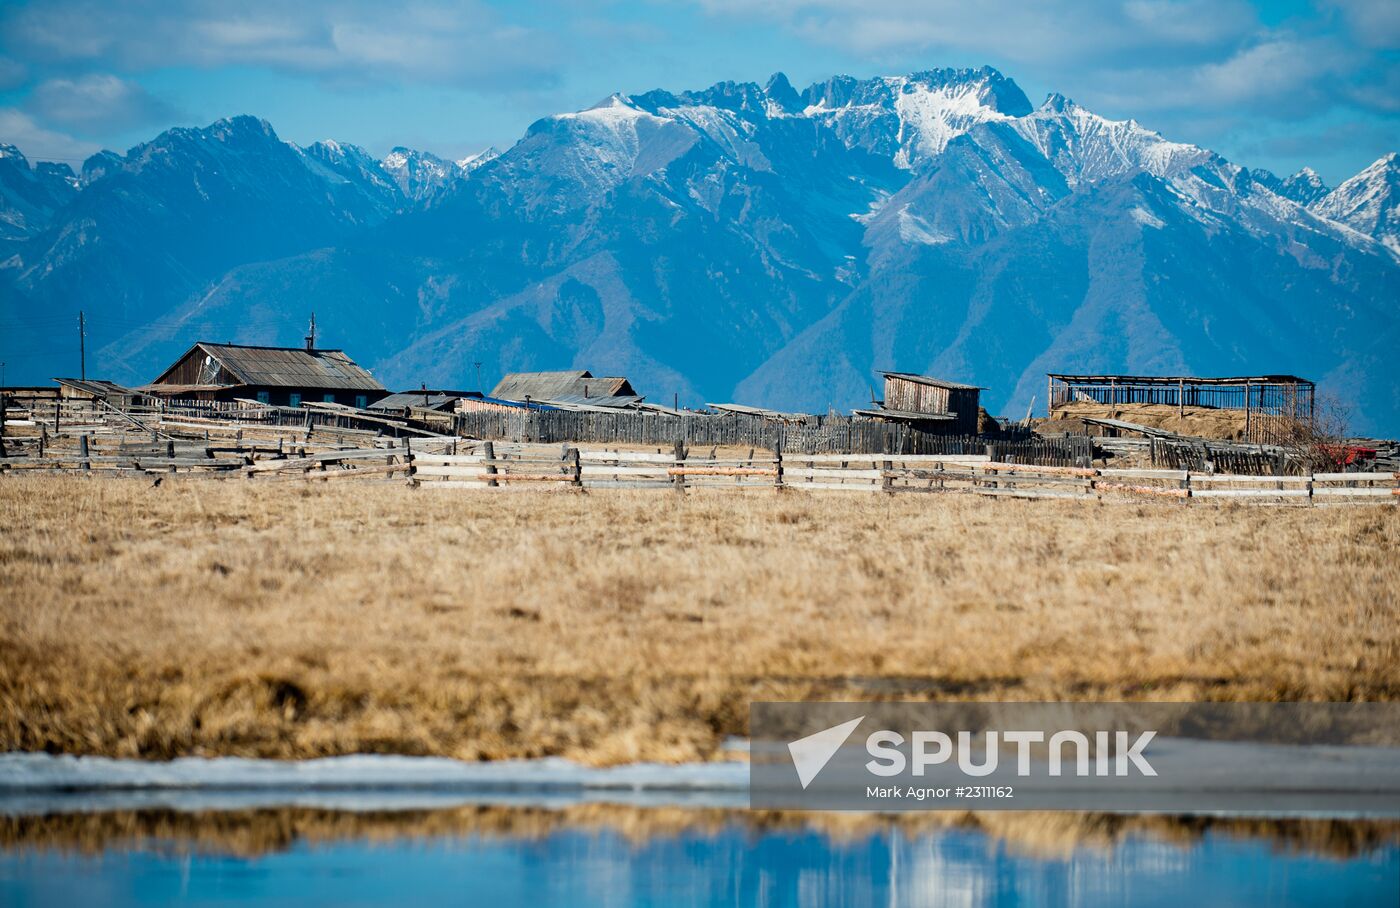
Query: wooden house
x=930, y=404
x=285, y=376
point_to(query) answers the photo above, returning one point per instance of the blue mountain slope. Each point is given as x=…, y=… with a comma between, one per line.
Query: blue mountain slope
x=742, y=242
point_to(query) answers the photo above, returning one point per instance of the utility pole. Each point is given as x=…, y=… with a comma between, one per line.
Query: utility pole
x=311, y=334
x=478, y=374
x=82, y=346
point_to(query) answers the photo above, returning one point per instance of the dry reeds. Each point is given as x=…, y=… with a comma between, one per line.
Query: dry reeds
x=237, y=618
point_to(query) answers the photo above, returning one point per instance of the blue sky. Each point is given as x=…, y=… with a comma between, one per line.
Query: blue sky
x=1277, y=85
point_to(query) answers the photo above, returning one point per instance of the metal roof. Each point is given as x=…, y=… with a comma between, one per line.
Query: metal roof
x=560, y=385
x=435, y=400
x=1177, y=379
x=935, y=382
x=286, y=367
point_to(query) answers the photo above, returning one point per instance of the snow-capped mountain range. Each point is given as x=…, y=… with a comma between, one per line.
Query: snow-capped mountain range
x=745, y=242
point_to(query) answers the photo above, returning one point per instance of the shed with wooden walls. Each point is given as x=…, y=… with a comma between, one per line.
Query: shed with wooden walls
x=933, y=404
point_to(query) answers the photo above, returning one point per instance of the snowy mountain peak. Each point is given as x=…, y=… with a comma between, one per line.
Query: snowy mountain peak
x=1368, y=202
x=473, y=161
x=419, y=175
x=1087, y=147
x=912, y=118
x=782, y=98
x=99, y=165
x=1304, y=187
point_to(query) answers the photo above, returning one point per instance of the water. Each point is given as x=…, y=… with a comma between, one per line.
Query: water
x=603, y=855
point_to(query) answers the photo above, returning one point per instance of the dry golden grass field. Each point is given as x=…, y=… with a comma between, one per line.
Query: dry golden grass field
x=280, y=619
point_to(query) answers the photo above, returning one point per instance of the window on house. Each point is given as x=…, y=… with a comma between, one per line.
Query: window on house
x=328, y=398
x=294, y=399
x=362, y=400
x=264, y=397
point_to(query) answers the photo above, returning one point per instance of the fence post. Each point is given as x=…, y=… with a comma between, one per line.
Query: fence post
x=488, y=451
x=678, y=479
x=408, y=460
x=778, y=468
x=83, y=451
x=575, y=468
x=887, y=471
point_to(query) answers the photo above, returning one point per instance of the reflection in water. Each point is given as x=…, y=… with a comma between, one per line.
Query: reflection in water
x=602, y=855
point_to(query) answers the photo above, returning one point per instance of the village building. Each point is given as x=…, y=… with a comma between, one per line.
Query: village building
x=929, y=404
x=424, y=399
x=573, y=389
x=1269, y=408
x=283, y=376
x=93, y=389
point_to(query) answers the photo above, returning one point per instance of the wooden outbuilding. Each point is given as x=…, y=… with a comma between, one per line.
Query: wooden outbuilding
x=284, y=376
x=1273, y=406
x=577, y=387
x=931, y=404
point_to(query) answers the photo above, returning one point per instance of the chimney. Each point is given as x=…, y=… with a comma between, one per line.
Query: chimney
x=311, y=335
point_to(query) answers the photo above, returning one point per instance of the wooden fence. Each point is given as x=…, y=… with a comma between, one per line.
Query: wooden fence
x=96, y=440
x=824, y=435
x=273, y=453
x=887, y=473
x=1219, y=457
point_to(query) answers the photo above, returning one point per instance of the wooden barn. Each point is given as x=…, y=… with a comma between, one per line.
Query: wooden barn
x=285, y=376
x=930, y=404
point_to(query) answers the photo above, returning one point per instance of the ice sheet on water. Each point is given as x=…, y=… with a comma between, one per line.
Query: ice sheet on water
x=31, y=772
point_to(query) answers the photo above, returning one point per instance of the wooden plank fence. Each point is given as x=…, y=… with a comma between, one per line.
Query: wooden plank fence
x=821, y=435
x=444, y=465
x=95, y=440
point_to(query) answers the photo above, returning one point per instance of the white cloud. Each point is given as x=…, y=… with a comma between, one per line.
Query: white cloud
x=12, y=73
x=1372, y=23
x=461, y=44
x=39, y=144
x=97, y=102
x=1015, y=30
x=1167, y=56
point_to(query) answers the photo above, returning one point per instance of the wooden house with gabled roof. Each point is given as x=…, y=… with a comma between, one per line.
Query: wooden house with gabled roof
x=284, y=376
